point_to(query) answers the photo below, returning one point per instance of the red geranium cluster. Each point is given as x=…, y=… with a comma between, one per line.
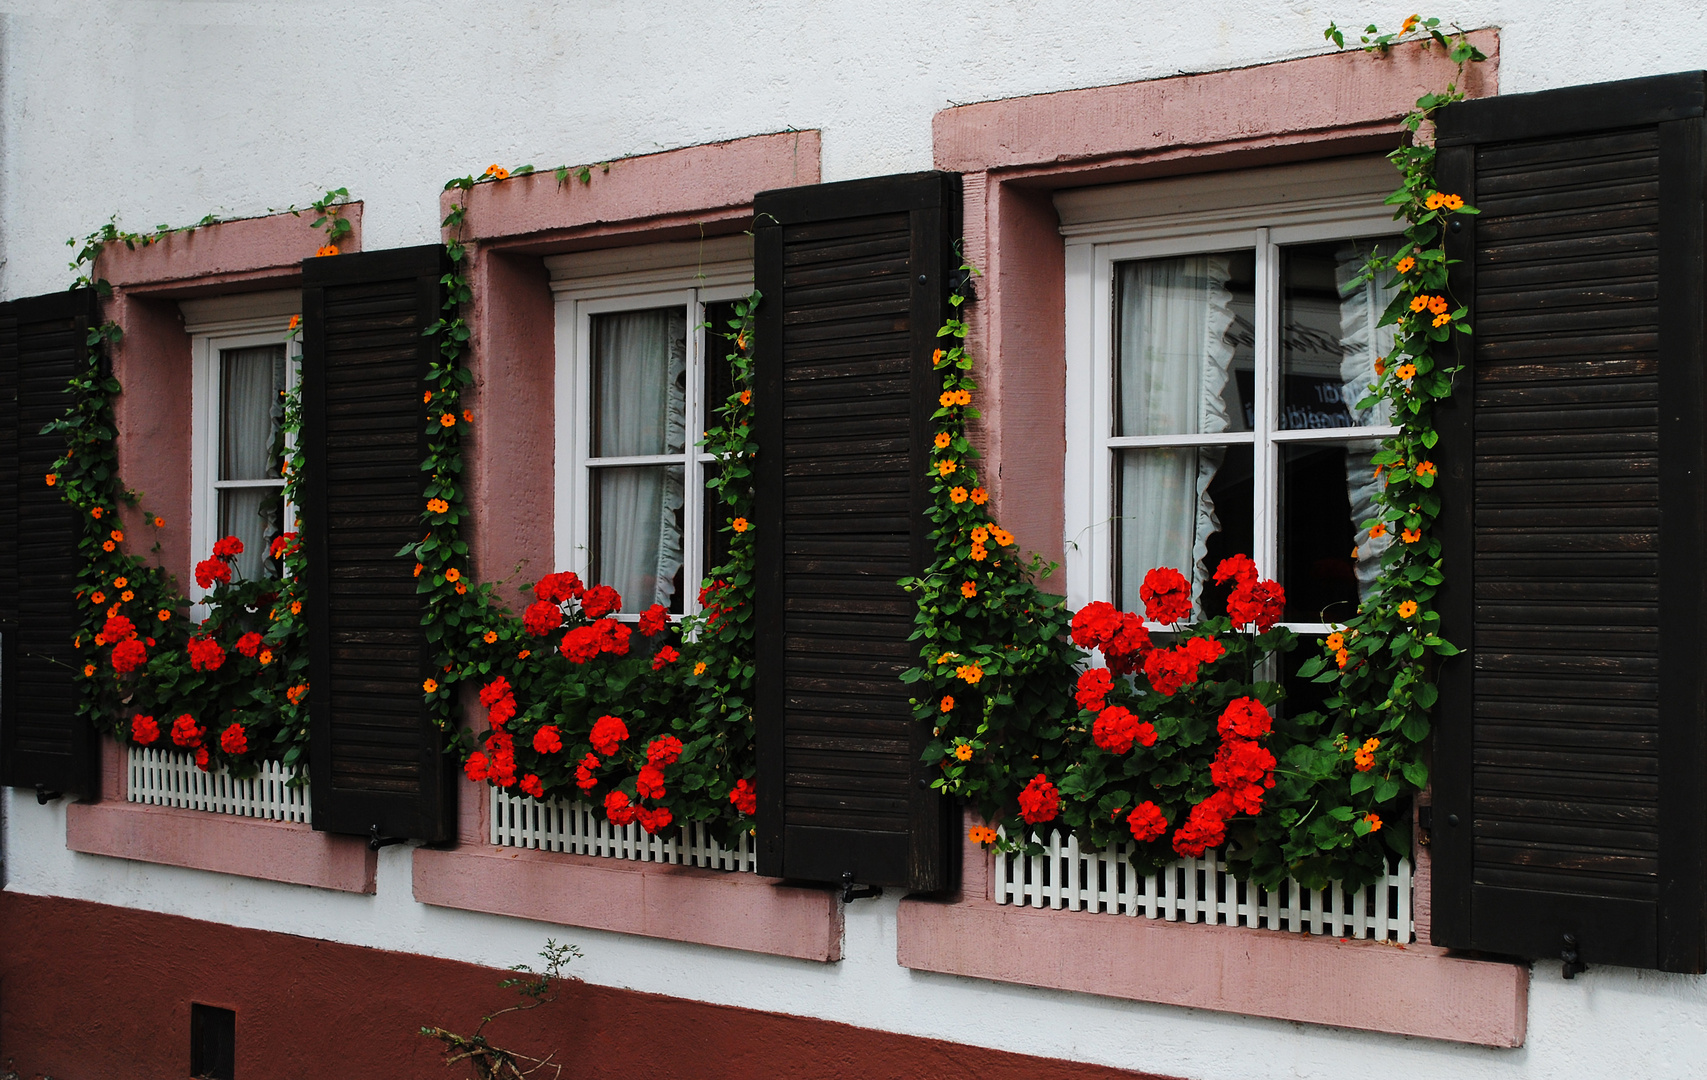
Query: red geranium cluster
x=1040, y=801
x=144, y=730
x=583, y=643
x=585, y=777
x=1146, y=822
x=186, y=732
x=128, y=653
x=654, y=620
x=500, y=701
x=547, y=740
x=249, y=644
x=205, y=654
x=1095, y=684
x=1119, y=635
x=282, y=545
x=497, y=763
x=541, y=617
x=218, y=568
x=234, y=740
x=1242, y=771
x=558, y=588
x=744, y=797
x=1116, y=729
x=599, y=601
x=711, y=602
x=1170, y=669
x=664, y=657
x=227, y=547
x=607, y=735
x=1166, y=594
x=1253, y=600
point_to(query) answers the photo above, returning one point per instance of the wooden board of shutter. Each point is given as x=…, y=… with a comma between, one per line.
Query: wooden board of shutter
x=1569, y=756
x=855, y=283
x=44, y=744
x=377, y=757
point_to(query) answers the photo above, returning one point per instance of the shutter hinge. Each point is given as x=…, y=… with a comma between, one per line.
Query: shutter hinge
x=1568, y=955
x=376, y=841
x=852, y=892
x=44, y=795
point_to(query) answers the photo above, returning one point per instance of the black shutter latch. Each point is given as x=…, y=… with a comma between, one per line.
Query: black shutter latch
x=376, y=841
x=1568, y=955
x=852, y=892
x=44, y=796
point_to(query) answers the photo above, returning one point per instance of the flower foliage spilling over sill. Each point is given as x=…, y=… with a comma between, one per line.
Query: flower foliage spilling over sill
x=652, y=721
x=233, y=689
x=1176, y=747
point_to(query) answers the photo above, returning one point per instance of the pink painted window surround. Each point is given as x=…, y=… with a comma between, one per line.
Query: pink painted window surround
x=1014, y=156
x=153, y=364
x=511, y=227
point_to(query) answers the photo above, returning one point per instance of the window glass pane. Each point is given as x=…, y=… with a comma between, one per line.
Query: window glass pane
x=1185, y=508
x=637, y=534
x=719, y=384
x=1330, y=342
x=639, y=382
x=1325, y=491
x=251, y=514
x=1184, y=344
x=251, y=382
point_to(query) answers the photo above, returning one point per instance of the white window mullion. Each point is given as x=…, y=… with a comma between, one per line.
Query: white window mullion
x=693, y=472
x=1266, y=457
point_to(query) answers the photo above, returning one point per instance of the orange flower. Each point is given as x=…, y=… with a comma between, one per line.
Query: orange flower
x=944, y=467
x=1407, y=608
x=524, y=654
x=1380, y=366
x=982, y=834
x=1425, y=468
x=295, y=321
x=1378, y=530
x=109, y=546
x=431, y=686
x=1410, y=24
x=163, y=615
x=52, y=479
x=740, y=525
x=980, y=534
x=946, y=399
x=1411, y=536
x=963, y=752
x=96, y=513
x=88, y=671
x=1442, y=319
x=963, y=397
x=118, y=537
x=979, y=553
x=447, y=420
x=437, y=506
x=127, y=596
x=1406, y=372
x=296, y=607
x=699, y=668
x=1374, y=822
x=936, y=357
x=159, y=522
x=1452, y=202
x=119, y=582
x=418, y=568
x=1435, y=201
x=97, y=598
x=1340, y=657
x=969, y=672
x=296, y=693
x=968, y=589
x=746, y=397
x=1404, y=265
x=461, y=588
x=1336, y=641
x=497, y=172
x=942, y=440
x=1437, y=304
x=453, y=575
x=426, y=396
x=957, y=495
x=468, y=416
x=325, y=250
x=947, y=703
x=266, y=657
x=1003, y=537
x=980, y=496
x=489, y=636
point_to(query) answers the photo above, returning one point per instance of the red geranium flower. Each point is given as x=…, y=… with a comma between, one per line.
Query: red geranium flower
x=664, y=750
x=144, y=730
x=654, y=820
x=128, y=656
x=744, y=797
x=580, y=644
x=1094, y=624
x=1245, y=718
x=665, y=655
x=249, y=644
x=1258, y=602
x=618, y=809
x=654, y=619
x=558, y=588
x=608, y=734
x=1094, y=687
x=584, y=778
x=1040, y=801
x=185, y=731
x=532, y=786
x=546, y=740
x=501, y=751
x=117, y=629
x=202, y=759
x=613, y=636
x=1237, y=568
x=1170, y=669
x=475, y=766
x=1243, y=771
x=281, y=544
x=599, y=601
x=1146, y=822
x=227, y=547
x=1126, y=649
x=205, y=654
x=650, y=783
x=1205, y=827
x=541, y=618
x=209, y=571
x=1166, y=595
x=1205, y=650
x=234, y=740
x=1115, y=729
x=500, y=701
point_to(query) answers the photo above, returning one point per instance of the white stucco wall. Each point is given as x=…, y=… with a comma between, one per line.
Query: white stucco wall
x=164, y=111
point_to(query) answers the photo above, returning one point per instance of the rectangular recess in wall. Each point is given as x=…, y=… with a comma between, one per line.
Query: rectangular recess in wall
x=213, y=1042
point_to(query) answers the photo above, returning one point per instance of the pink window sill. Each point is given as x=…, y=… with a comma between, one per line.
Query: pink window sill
x=678, y=903
x=223, y=843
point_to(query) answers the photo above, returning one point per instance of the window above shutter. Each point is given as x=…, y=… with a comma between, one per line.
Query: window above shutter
x=44, y=744
x=1570, y=791
x=855, y=280
x=377, y=757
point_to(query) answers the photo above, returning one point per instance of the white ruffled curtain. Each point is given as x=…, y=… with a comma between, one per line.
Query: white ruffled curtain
x=1174, y=362
x=1361, y=306
x=250, y=411
x=640, y=408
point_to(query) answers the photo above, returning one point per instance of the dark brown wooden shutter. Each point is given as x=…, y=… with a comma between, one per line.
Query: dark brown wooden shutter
x=377, y=757
x=44, y=744
x=855, y=280
x=1570, y=765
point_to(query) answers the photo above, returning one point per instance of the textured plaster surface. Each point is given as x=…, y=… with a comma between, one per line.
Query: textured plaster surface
x=163, y=111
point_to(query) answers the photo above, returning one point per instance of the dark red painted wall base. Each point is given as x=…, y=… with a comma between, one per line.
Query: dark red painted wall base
x=92, y=992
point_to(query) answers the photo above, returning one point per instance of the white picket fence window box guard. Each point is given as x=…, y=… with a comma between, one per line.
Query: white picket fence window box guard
x=161, y=777
x=575, y=827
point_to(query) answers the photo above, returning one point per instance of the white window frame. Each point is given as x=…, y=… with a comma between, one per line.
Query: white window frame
x=1260, y=210
x=689, y=275
x=233, y=322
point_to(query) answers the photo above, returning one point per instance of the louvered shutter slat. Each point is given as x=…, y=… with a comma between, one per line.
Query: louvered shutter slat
x=1569, y=760
x=43, y=743
x=855, y=279
x=377, y=757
